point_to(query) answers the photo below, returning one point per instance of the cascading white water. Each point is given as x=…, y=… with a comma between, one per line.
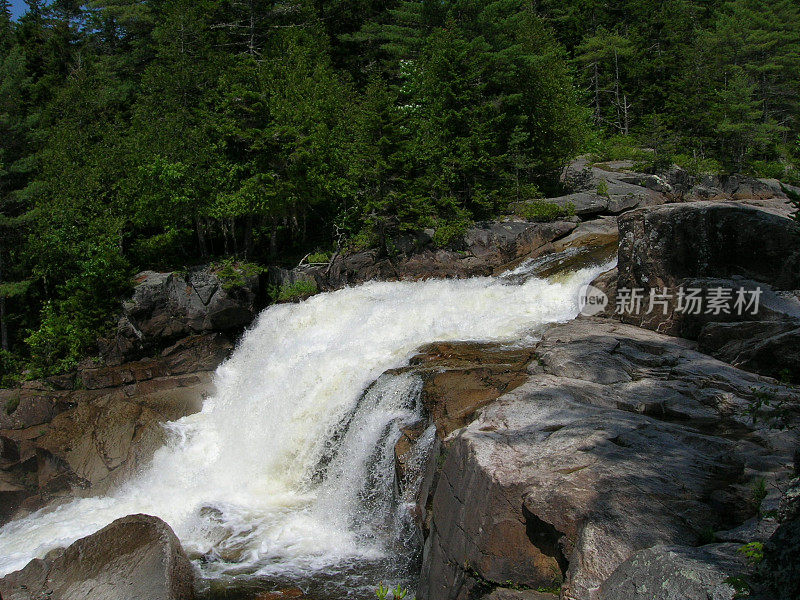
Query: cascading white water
x=266, y=479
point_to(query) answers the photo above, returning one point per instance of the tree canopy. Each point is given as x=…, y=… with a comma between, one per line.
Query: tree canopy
x=156, y=134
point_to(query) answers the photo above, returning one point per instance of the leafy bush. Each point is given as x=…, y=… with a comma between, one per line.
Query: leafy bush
x=234, y=273
x=602, y=188
x=771, y=169
x=296, y=291
x=753, y=552
x=618, y=147
x=59, y=342
x=794, y=197
x=10, y=366
x=319, y=258
x=759, y=493
x=542, y=211
x=774, y=412
x=398, y=593
x=699, y=166
x=450, y=232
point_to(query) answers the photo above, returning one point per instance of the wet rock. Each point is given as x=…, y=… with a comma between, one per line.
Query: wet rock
x=96, y=439
x=676, y=573
x=26, y=408
x=596, y=233
x=461, y=378
x=189, y=355
x=134, y=558
x=108, y=437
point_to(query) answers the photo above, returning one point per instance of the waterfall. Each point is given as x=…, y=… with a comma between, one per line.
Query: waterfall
x=286, y=472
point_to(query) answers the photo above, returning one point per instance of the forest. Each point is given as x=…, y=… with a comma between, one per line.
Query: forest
x=159, y=134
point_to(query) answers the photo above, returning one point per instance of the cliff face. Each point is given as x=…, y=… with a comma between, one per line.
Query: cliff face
x=620, y=439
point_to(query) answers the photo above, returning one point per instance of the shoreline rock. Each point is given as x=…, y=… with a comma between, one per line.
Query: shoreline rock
x=620, y=440
x=137, y=557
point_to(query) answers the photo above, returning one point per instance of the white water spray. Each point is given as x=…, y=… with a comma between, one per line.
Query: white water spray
x=265, y=480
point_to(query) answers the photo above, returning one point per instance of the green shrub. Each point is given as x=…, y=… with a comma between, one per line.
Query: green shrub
x=759, y=493
x=618, y=147
x=794, y=197
x=60, y=341
x=447, y=233
x=542, y=211
x=10, y=367
x=771, y=169
x=234, y=273
x=319, y=258
x=602, y=188
x=699, y=166
x=296, y=291
x=363, y=240
x=753, y=552
x=739, y=584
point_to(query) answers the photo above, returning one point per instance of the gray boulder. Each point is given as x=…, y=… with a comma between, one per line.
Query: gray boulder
x=167, y=306
x=509, y=594
x=705, y=246
x=663, y=245
x=676, y=573
x=134, y=558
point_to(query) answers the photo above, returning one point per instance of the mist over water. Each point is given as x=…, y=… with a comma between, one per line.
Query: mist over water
x=287, y=471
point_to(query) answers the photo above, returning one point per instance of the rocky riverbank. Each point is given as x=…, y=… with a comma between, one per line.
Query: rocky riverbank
x=607, y=453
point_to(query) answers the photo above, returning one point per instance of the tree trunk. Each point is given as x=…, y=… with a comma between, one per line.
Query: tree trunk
x=232, y=227
x=3, y=322
x=620, y=125
x=248, y=236
x=201, y=237
x=596, y=78
x=225, y=242
x=3, y=325
x=273, y=239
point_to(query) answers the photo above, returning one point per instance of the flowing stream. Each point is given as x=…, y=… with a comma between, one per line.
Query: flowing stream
x=286, y=474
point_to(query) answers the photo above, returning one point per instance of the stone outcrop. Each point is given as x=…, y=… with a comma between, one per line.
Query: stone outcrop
x=486, y=249
x=707, y=246
x=778, y=574
x=58, y=443
x=461, y=378
x=663, y=245
x=621, y=439
x=134, y=558
x=166, y=307
x=674, y=185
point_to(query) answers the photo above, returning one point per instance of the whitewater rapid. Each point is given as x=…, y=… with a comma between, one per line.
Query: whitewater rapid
x=263, y=480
